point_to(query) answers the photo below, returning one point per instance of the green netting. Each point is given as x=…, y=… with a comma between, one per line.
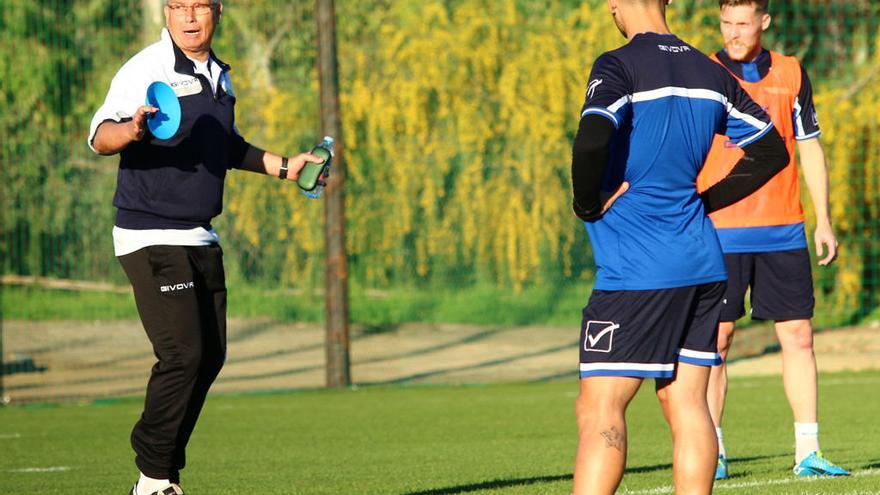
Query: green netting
x=458, y=118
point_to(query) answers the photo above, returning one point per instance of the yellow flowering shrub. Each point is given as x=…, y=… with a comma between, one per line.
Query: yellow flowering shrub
x=458, y=119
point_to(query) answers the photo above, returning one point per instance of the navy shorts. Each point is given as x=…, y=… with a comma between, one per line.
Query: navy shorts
x=781, y=286
x=644, y=333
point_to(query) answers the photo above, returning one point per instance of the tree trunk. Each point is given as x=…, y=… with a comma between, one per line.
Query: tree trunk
x=152, y=20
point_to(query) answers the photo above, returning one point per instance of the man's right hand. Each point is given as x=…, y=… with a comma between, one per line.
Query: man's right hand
x=138, y=123
x=111, y=136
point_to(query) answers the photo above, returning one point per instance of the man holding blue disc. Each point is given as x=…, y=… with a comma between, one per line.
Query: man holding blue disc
x=174, y=153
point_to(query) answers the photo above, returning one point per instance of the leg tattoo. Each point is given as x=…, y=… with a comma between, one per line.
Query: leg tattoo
x=614, y=438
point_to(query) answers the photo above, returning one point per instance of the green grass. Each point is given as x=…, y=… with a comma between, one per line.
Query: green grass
x=440, y=440
x=378, y=310
x=481, y=305
x=29, y=303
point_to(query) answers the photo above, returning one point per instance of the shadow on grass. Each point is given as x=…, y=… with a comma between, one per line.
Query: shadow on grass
x=243, y=335
x=739, y=474
x=492, y=485
x=648, y=469
x=506, y=483
x=378, y=328
x=757, y=457
x=484, y=364
x=662, y=467
x=388, y=357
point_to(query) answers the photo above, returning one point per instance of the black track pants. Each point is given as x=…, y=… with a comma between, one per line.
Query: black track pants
x=180, y=293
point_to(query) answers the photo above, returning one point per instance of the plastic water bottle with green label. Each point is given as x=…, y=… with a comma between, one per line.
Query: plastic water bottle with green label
x=313, y=177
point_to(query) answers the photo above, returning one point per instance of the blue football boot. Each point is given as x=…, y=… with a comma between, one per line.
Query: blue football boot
x=721, y=469
x=816, y=464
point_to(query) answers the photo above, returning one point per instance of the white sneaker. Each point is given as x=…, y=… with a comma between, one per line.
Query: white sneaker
x=172, y=489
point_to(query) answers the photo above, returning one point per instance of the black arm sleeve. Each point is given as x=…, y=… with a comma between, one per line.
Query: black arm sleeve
x=238, y=148
x=588, y=163
x=764, y=158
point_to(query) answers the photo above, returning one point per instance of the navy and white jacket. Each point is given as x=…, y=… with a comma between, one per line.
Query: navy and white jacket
x=174, y=184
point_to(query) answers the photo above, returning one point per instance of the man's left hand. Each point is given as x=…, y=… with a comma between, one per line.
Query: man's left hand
x=609, y=197
x=297, y=163
x=825, y=240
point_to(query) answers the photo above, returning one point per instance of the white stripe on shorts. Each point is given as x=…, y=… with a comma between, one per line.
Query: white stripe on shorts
x=697, y=354
x=627, y=366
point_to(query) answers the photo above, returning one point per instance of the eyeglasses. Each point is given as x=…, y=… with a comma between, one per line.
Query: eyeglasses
x=180, y=9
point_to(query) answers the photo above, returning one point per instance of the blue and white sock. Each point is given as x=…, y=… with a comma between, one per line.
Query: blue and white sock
x=720, y=435
x=806, y=438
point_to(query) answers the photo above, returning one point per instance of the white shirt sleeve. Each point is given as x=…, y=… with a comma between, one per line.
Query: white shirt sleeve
x=127, y=93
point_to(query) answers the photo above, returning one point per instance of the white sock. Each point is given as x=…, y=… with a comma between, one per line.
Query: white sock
x=147, y=485
x=806, y=438
x=720, y=436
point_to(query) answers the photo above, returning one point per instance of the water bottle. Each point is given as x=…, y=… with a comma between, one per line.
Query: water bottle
x=313, y=176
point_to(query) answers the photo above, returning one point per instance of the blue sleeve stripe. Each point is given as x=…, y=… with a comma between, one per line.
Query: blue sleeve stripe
x=605, y=113
x=808, y=136
x=754, y=137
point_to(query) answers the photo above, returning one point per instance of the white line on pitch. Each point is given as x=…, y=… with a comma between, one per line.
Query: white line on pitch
x=8, y=436
x=749, y=484
x=53, y=469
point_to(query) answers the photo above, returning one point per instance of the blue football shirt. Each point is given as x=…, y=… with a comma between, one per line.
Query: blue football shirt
x=667, y=101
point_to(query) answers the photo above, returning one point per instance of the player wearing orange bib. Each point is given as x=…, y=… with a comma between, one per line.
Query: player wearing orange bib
x=763, y=238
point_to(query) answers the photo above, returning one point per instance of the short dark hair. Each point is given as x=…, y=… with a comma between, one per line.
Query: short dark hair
x=761, y=6
x=647, y=2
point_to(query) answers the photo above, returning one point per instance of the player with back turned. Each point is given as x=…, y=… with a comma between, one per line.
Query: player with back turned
x=652, y=109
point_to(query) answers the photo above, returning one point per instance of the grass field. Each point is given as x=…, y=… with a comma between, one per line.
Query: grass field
x=547, y=304
x=430, y=440
x=479, y=305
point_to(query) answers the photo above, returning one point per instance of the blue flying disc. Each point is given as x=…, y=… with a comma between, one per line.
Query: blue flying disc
x=164, y=123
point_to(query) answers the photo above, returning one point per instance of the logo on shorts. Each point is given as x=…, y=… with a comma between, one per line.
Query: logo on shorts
x=599, y=335
x=177, y=287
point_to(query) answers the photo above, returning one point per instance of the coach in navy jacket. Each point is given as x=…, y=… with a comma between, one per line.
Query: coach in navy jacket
x=167, y=193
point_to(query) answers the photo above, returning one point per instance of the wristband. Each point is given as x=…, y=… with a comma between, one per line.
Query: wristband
x=282, y=173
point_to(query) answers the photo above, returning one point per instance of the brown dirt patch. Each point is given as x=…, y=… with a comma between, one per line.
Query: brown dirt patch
x=87, y=360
